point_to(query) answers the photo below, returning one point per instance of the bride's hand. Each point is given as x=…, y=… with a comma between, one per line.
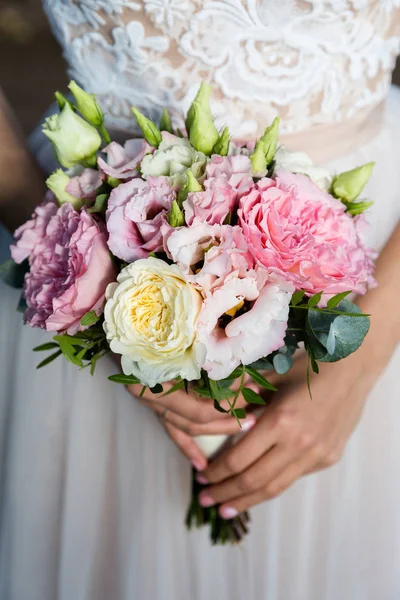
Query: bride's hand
x=185, y=416
x=294, y=436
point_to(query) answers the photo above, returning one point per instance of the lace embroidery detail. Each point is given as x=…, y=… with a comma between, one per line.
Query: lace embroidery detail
x=309, y=61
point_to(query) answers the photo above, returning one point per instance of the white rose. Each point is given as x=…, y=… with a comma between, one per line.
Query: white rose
x=150, y=319
x=172, y=158
x=300, y=162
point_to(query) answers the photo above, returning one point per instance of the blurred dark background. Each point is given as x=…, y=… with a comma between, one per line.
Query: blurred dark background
x=31, y=64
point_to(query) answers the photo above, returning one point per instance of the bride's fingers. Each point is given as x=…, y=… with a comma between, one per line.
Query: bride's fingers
x=222, y=426
x=186, y=445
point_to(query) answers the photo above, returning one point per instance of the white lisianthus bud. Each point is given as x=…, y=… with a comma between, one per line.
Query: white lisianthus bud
x=87, y=105
x=300, y=162
x=57, y=182
x=150, y=319
x=74, y=140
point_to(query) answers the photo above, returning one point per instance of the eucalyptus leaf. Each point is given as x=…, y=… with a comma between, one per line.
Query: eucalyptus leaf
x=282, y=362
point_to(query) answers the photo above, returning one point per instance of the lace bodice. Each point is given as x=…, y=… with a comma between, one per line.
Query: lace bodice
x=312, y=62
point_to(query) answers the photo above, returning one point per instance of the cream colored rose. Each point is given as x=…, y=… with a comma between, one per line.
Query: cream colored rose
x=150, y=319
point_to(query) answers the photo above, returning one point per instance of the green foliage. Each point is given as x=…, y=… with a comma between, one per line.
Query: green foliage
x=13, y=274
x=123, y=379
x=100, y=206
x=165, y=122
x=259, y=379
x=222, y=145
x=334, y=301
x=356, y=208
x=176, y=217
x=332, y=337
x=150, y=131
x=83, y=349
x=297, y=297
x=252, y=397
x=314, y=300
x=89, y=319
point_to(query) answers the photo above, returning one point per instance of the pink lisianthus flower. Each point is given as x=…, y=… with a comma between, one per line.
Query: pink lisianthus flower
x=70, y=266
x=135, y=215
x=237, y=170
x=123, y=161
x=84, y=184
x=250, y=335
x=303, y=234
x=212, y=205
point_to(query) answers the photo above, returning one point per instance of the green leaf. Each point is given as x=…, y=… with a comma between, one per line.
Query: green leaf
x=69, y=353
x=282, y=363
x=314, y=300
x=348, y=185
x=89, y=319
x=165, y=122
x=334, y=301
x=219, y=408
x=204, y=392
x=252, y=397
x=270, y=140
x=257, y=159
x=356, y=208
x=47, y=346
x=100, y=205
x=219, y=393
x=297, y=297
x=259, y=379
x=150, y=131
x=239, y=413
x=157, y=389
x=49, y=359
x=222, y=145
x=176, y=217
x=13, y=274
x=124, y=379
x=177, y=386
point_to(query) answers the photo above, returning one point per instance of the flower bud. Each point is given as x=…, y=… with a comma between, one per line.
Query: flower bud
x=87, y=105
x=165, y=123
x=57, y=182
x=176, y=217
x=191, y=185
x=203, y=135
x=348, y=185
x=258, y=162
x=74, y=140
x=150, y=131
x=62, y=101
x=270, y=140
x=222, y=145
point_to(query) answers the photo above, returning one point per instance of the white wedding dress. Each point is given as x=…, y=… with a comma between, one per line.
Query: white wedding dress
x=93, y=492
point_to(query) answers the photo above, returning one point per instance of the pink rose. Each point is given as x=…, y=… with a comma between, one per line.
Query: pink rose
x=70, y=266
x=213, y=205
x=84, y=185
x=236, y=169
x=302, y=233
x=252, y=334
x=135, y=214
x=123, y=162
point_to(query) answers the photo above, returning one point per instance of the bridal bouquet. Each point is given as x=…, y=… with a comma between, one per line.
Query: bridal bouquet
x=194, y=258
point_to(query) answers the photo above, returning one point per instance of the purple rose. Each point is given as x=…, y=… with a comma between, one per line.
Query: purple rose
x=135, y=215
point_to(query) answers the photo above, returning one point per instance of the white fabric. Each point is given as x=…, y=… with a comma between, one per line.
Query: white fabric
x=93, y=493
x=311, y=62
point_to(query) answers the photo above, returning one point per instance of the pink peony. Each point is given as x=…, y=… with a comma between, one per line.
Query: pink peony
x=213, y=205
x=70, y=266
x=123, y=162
x=302, y=233
x=250, y=335
x=135, y=214
x=236, y=169
x=84, y=185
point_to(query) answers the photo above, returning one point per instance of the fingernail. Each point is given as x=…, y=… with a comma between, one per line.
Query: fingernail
x=197, y=464
x=227, y=512
x=206, y=500
x=201, y=479
x=248, y=423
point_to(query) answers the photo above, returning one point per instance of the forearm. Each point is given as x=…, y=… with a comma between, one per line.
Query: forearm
x=382, y=303
x=21, y=182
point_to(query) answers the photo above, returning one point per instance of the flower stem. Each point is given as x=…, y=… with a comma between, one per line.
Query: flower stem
x=105, y=134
